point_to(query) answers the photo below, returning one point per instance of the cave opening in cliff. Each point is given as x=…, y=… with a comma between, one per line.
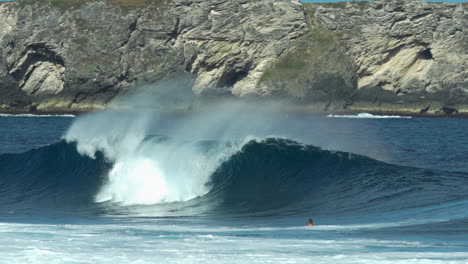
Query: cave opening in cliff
x=230, y=78
x=425, y=54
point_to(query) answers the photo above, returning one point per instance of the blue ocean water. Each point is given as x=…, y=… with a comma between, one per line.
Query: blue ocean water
x=211, y=189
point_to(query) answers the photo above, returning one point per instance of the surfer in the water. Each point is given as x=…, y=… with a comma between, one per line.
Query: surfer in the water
x=310, y=222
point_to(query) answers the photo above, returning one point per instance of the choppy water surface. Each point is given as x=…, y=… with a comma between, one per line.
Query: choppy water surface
x=80, y=190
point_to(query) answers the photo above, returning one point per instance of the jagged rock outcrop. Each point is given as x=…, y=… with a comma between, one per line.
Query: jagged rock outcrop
x=408, y=54
x=384, y=56
x=78, y=57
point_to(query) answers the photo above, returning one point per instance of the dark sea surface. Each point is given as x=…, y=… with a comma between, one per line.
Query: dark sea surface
x=94, y=190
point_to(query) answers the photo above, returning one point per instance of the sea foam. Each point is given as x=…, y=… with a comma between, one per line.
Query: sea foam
x=146, y=169
x=367, y=115
x=32, y=115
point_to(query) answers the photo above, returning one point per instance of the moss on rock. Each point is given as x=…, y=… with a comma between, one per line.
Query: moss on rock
x=315, y=66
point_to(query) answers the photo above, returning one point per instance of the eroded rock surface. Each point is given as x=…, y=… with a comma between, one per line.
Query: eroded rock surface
x=394, y=55
x=80, y=57
x=416, y=51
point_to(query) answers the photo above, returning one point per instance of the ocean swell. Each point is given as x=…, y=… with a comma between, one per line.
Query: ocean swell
x=256, y=177
x=54, y=177
x=287, y=177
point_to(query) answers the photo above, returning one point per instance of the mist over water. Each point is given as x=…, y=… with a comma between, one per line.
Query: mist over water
x=167, y=146
x=162, y=176
x=164, y=146
x=162, y=149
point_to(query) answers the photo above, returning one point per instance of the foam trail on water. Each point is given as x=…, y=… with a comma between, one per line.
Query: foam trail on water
x=367, y=115
x=32, y=115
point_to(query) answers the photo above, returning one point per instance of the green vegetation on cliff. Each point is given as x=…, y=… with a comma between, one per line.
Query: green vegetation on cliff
x=67, y=55
x=316, y=62
x=361, y=4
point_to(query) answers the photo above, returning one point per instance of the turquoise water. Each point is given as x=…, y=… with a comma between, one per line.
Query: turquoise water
x=92, y=190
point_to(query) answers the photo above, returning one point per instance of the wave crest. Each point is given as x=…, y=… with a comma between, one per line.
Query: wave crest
x=162, y=170
x=256, y=177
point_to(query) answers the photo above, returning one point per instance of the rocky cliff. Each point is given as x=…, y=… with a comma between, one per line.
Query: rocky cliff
x=409, y=56
x=380, y=56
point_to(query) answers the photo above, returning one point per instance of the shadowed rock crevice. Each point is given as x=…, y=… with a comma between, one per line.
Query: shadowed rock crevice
x=354, y=56
x=229, y=79
x=425, y=55
x=408, y=54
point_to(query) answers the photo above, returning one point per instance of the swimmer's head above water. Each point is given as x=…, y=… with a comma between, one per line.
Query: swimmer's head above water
x=310, y=222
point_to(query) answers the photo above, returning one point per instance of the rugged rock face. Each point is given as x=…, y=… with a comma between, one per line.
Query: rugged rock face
x=78, y=57
x=408, y=55
x=385, y=56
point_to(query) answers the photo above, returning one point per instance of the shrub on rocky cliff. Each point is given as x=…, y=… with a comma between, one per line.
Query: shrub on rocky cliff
x=316, y=62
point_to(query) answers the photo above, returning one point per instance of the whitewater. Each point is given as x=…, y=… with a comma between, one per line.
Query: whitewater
x=233, y=182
